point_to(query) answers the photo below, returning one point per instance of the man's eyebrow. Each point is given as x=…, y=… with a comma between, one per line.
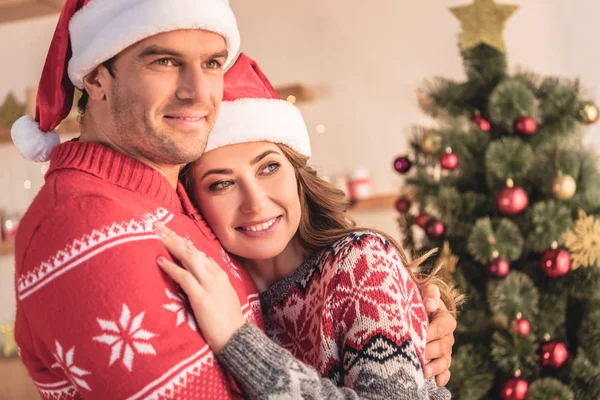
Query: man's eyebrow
x=158, y=51
x=219, y=54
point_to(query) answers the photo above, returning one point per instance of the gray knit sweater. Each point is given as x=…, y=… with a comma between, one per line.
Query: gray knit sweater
x=349, y=323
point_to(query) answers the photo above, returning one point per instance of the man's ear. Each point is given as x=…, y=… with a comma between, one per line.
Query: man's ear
x=95, y=83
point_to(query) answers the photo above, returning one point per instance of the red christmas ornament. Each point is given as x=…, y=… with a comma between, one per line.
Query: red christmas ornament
x=422, y=219
x=482, y=123
x=512, y=200
x=556, y=262
x=526, y=125
x=449, y=161
x=554, y=354
x=521, y=327
x=499, y=268
x=402, y=164
x=435, y=229
x=514, y=389
x=402, y=204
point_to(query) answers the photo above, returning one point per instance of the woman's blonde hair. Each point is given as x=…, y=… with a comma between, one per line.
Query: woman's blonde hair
x=324, y=220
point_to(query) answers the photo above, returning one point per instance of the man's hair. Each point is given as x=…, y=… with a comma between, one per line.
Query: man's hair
x=83, y=100
x=324, y=220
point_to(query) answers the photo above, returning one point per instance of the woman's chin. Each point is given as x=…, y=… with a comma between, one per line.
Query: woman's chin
x=259, y=254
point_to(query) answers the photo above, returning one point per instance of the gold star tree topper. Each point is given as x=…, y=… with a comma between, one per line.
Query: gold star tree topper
x=8, y=331
x=483, y=23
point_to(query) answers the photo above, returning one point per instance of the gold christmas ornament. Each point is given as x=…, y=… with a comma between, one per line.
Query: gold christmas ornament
x=448, y=262
x=589, y=113
x=431, y=142
x=583, y=241
x=483, y=23
x=563, y=187
x=8, y=333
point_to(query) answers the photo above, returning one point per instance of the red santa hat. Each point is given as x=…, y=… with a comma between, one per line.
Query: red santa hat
x=253, y=112
x=90, y=32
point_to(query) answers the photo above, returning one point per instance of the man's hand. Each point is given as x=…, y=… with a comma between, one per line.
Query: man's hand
x=440, y=336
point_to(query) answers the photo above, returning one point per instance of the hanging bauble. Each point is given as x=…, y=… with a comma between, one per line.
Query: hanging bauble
x=431, y=142
x=499, y=268
x=422, y=219
x=563, y=187
x=482, y=123
x=554, y=354
x=512, y=200
x=514, y=389
x=521, y=326
x=449, y=160
x=402, y=205
x=556, y=262
x=402, y=164
x=588, y=112
x=526, y=125
x=435, y=229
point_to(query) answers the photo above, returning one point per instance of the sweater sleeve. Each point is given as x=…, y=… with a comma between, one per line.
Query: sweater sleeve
x=97, y=319
x=380, y=358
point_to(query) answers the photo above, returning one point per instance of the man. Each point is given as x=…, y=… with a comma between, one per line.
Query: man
x=95, y=317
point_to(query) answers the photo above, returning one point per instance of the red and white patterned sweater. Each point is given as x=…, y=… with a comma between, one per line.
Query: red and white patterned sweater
x=353, y=313
x=96, y=318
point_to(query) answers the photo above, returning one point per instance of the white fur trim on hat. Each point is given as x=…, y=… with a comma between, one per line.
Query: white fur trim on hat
x=104, y=28
x=32, y=143
x=256, y=120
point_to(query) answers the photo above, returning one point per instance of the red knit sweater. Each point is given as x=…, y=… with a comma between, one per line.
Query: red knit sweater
x=96, y=318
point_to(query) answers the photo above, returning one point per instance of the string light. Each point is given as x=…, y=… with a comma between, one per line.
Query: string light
x=291, y=98
x=44, y=169
x=321, y=129
x=27, y=184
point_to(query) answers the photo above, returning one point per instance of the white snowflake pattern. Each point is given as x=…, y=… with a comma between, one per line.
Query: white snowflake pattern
x=177, y=305
x=126, y=338
x=232, y=266
x=66, y=361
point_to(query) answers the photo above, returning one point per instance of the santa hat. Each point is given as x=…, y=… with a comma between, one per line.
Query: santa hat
x=253, y=112
x=90, y=32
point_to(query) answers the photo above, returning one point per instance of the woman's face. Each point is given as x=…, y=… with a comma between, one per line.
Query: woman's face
x=248, y=194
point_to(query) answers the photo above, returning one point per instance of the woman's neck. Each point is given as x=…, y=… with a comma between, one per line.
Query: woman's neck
x=265, y=273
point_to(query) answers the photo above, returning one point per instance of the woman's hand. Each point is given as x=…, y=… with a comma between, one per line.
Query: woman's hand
x=213, y=300
x=440, y=336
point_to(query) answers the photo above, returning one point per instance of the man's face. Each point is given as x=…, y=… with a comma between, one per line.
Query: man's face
x=165, y=95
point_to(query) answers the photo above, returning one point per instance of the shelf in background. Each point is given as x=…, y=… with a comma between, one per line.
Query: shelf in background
x=377, y=202
x=6, y=248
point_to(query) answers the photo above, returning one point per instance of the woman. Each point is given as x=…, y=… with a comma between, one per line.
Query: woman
x=342, y=300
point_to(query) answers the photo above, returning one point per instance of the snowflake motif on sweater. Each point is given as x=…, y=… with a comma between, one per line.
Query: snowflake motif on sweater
x=349, y=310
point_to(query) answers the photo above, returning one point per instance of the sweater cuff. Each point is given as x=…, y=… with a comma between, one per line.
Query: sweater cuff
x=252, y=358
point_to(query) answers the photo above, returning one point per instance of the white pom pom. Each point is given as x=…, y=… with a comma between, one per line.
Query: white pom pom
x=32, y=143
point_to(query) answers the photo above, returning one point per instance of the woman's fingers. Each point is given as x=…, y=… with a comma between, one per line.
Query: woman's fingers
x=191, y=258
x=181, y=276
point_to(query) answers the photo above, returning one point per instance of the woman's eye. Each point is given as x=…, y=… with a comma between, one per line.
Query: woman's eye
x=269, y=169
x=215, y=187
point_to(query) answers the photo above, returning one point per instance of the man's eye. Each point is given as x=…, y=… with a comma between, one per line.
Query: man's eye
x=166, y=62
x=213, y=64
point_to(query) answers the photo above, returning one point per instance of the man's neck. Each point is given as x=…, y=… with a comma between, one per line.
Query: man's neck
x=95, y=133
x=265, y=273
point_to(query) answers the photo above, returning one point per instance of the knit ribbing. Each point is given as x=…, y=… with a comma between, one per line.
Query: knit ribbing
x=115, y=168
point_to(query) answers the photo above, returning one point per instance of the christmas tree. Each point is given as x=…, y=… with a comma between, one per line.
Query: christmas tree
x=504, y=185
